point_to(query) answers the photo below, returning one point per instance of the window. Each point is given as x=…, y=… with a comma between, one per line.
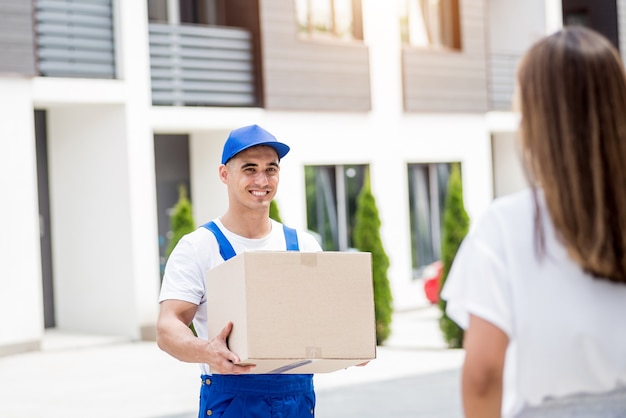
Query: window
x=428, y=185
x=331, y=198
x=204, y=12
x=430, y=23
x=337, y=19
x=576, y=18
x=157, y=11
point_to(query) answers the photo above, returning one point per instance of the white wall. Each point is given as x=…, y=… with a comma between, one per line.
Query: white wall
x=515, y=25
x=507, y=165
x=386, y=144
x=133, y=57
x=554, y=15
x=21, y=305
x=385, y=138
x=103, y=197
x=210, y=198
x=388, y=148
x=91, y=224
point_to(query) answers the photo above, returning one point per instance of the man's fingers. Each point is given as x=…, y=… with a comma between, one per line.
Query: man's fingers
x=230, y=368
x=220, y=347
x=226, y=331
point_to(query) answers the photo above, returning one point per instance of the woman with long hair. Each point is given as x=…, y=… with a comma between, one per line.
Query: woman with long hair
x=539, y=284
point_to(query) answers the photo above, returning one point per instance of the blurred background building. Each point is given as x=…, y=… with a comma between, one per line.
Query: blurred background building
x=107, y=106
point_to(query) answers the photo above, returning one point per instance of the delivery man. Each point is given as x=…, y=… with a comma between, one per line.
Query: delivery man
x=250, y=170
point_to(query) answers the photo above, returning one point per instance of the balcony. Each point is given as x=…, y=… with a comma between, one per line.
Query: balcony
x=193, y=65
x=75, y=38
x=502, y=67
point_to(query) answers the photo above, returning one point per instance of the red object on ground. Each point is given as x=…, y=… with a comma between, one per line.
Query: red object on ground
x=432, y=280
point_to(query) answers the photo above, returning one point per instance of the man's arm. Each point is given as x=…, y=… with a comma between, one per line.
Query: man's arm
x=485, y=348
x=176, y=338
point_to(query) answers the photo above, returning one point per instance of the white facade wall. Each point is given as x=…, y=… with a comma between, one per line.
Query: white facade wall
x=21, y=306
x=134, y=70
x=515, y=25
x=102, y=199
x=386, y=138
x=91, y=241
x=103, y=204
x=513, y=28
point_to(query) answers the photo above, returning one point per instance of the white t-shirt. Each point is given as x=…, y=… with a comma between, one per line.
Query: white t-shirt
x=198, y=252
x=566, y=329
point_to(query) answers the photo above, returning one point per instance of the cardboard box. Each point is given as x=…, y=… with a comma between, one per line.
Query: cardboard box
x=295, y=312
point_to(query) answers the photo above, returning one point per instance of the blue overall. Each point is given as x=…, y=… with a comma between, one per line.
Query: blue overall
x=256, y=395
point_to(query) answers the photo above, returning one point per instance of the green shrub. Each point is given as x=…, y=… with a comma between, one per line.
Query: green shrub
x=366, y=238
x=274, y=212
x=455, y=227
x=181, y=220
x=181, y=223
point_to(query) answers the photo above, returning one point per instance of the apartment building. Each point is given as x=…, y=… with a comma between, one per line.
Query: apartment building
x=107, y=106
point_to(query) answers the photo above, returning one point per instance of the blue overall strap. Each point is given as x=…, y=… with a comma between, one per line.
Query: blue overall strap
x=291, y=237
x=226, y=250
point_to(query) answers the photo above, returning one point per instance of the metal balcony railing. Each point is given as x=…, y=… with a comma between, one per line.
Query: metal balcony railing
x=75, y=38
x=502, y=68
x=201, y=66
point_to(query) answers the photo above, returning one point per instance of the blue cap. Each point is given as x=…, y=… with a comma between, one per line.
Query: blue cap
x=251, y=136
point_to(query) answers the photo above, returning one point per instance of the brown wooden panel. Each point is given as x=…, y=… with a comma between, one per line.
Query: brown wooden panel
x=445, y=105
x=319, y=103
x=449, y=81
x=316, y=85
x=309, y=74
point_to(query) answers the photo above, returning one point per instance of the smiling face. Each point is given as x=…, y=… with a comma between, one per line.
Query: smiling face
x=252, y=178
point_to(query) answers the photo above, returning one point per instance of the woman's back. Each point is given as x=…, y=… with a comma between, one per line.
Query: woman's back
x=565, y=327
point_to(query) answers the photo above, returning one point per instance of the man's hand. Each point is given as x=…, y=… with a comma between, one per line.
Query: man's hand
x=175, y=337
x=220, y=358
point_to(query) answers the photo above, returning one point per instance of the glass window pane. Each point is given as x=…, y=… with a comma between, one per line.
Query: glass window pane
x=420, y=17
x=343, y=19
x=326, y=18
x=420, y=216
x=428, y=184
x=430, y=23
x=157, y=10
x=354, y=177
x=321, y=16
x=322, y=205
x=443, y=173
x=302, y=15
x=331, y=197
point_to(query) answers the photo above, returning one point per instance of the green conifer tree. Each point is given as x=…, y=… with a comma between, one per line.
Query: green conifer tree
x=366, y=237
x=455, y=227
x=274, y=212
x=181, y=220
x=181, y=223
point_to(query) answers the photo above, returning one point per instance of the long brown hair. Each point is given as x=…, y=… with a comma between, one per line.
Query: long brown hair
x=572, y=92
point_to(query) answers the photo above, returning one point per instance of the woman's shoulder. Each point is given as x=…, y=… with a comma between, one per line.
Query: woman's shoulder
x=510, y=215
x=520, y=201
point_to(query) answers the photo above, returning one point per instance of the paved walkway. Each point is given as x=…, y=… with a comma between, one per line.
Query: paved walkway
x=414, y=375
